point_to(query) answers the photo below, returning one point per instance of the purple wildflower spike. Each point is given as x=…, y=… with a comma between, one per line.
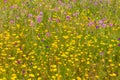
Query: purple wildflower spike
x=39, y=19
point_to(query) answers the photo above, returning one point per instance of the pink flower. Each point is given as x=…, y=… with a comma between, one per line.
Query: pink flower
x=31, y=23
x=29, y=15
x=41, y=13
x=5, y=1
x=110, y=24
x=39, y=19
x=48, y=34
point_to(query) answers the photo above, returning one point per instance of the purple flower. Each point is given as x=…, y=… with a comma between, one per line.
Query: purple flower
x=103, y=25
x=118, y=38
x=41, y=13
x=39, y=19
x=118, y=44
x=97, y=27
x=12, y=21
x=67, y=17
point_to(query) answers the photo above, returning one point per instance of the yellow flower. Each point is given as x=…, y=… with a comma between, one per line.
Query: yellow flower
x=119, y=64
x=34, y=67
x=112, y=64
x=97, y=76
x=39, y=78
x=11, y=58
x=35, y=44
x=65, y=37
x=79, y=36
x=23, y=65
x=18, y=25
x=13, y=77
x=58, y=76
x=31, y=75
x=78, y=78
x=110, y=45
x=64, y=26
x=53, y=66
x=113, y=74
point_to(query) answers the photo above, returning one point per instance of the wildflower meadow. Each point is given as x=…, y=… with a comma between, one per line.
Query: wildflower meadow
x=59, y=39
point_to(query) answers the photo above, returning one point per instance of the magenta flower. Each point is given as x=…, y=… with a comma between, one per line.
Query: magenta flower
x=39, y=19
x=118, y=38
x=118, y=44
x=97, y=27
x=68, y=17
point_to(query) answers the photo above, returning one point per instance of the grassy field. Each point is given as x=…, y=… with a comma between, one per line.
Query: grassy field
x=59, y=39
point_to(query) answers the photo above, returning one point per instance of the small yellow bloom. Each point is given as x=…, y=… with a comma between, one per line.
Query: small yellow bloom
x=31, y=75
x=53, y=66
x=97, y=76
x=39, y=78
x=65, y=37
x=23, y=65
x=113, y=74
x=34, y=67
x=11, y=58
x=78, y=78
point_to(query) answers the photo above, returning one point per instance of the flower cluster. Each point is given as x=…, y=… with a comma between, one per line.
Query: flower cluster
x=59, y=40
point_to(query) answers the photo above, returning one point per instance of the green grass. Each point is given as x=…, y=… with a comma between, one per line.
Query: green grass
x=73, y=41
